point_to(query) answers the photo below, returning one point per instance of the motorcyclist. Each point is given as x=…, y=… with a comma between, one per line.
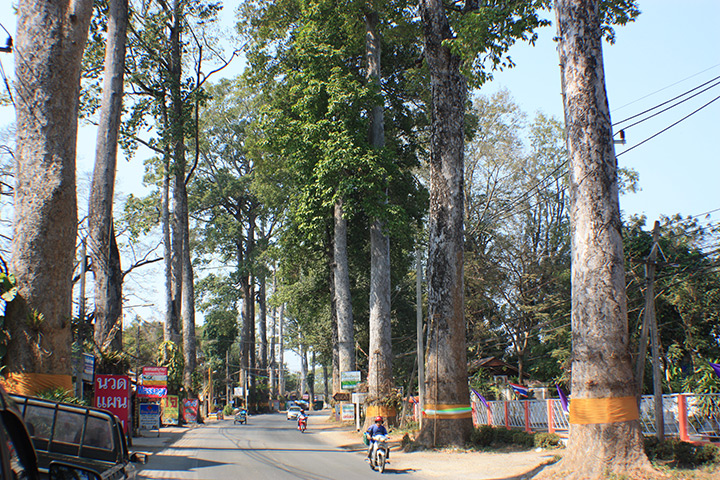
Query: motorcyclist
x=302, y=417
x=376, y=429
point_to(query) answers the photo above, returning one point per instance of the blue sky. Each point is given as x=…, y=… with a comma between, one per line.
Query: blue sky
x=671, y=48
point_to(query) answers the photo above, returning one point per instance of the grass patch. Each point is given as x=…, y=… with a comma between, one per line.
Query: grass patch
x=486, y=436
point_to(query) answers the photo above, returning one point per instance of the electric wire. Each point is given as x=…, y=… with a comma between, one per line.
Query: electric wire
x=668, y=101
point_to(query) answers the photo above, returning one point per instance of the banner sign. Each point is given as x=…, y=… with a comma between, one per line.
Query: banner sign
x=149, y=416
x=169, y=406
x=348, y=412
x=190, y=410
x=349, y=380
x=112, y=392
x=154, y=376
x=154, y=382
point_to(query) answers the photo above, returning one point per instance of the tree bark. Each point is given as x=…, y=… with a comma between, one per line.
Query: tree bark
x=346, y=328
x=601, y=366
x=446, y=374
x=380, y=381
x=177, y=141
x=188, y=306
x=103, y=246
x=49, y=46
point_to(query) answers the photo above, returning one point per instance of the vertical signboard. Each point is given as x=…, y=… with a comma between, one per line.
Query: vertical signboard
x=190, y=410
x=112, y=392
x=149, y=416
x=154, y=382
x=169, y=405
x=349, y=380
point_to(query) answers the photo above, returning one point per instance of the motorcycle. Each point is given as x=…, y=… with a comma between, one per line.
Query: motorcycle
x=380, y=453
x=302, y=423
x=240, y=417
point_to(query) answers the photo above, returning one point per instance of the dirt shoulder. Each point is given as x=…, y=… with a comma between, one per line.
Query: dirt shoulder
x=446, y=463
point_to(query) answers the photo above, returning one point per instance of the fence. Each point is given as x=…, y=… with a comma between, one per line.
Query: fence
x=689, y=417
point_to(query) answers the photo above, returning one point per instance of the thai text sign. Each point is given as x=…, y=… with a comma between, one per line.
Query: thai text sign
x=149, y=416
x=169, y=406
x=112, y=392
x=154, y=382
x=190, y=410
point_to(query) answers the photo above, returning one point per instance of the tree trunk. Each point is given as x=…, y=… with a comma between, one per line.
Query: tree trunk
x=281, y=353
x=346, y=328
x=335, y=361
x=602, y=376
x=188, y=306
x=103, y=246
x=49, y=46
x=262, y=325
x=380, y=381
x=177, y=132
x=447, y=396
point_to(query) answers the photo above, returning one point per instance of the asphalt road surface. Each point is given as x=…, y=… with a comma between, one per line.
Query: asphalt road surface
x=267, y=447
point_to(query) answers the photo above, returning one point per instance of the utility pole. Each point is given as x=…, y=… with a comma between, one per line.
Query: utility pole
x=81, y=317
x=420, y=347
x=655, y=338
x=649, y=328
x=227, y=377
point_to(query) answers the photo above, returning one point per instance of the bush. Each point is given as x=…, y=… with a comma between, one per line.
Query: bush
x=228, y=410
x=483, y=436
x=547, y=440
x=681, y=454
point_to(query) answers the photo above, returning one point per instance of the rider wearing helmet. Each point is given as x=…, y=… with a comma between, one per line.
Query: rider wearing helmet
x=376, y=429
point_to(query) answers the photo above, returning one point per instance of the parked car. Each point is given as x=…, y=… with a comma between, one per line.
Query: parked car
x=17, y=454
x=293, y=412
x=88, y=437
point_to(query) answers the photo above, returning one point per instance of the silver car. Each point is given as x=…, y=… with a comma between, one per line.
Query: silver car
x=293, y=412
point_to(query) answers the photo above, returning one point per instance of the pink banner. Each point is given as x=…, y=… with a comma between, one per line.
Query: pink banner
x=112, y=393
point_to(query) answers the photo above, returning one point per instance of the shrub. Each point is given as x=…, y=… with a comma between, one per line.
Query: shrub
x=547, y=440
x=228, y=410
x=483, y=436
x=682, y=454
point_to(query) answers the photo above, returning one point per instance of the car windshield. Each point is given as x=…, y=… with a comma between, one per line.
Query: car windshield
x=295, y=409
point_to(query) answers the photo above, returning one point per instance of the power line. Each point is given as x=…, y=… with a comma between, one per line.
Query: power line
x=668, y=108
x=665, y=88
x=668, y=127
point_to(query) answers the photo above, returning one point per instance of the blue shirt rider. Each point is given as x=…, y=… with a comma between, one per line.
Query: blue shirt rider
x=377, y=429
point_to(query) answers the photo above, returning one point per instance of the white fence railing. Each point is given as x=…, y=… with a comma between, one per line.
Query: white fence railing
x=687, y=416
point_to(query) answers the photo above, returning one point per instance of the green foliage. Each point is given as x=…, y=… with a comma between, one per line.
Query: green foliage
x=681, y=454
x=228, y=410
x=687, y=298
x=169, y=355
x=61, y=395
x=489, y=436
x=547, y=440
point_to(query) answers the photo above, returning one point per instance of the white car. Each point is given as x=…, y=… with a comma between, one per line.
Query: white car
x=293, y=412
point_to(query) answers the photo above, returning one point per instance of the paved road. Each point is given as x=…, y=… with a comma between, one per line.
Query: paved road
x=268, y=447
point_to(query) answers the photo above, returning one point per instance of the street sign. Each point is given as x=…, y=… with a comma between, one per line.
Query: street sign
x=169, y=405
x=112, y=392
x=349, y=380
x=359, y=397
x=149, y=414
x=341, y=397
x=190, y=410
x=347, y=412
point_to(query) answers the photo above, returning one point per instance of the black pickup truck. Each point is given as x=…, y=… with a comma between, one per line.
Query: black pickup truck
x=88, y=437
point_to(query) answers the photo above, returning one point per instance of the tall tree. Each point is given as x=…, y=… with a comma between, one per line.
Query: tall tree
x=470, y=49
x=379, y=379
x=447, y=394
x=605, y=435
x=103, y=245
x=51, y=38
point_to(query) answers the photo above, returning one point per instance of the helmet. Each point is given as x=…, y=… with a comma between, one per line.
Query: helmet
x=378, y=419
